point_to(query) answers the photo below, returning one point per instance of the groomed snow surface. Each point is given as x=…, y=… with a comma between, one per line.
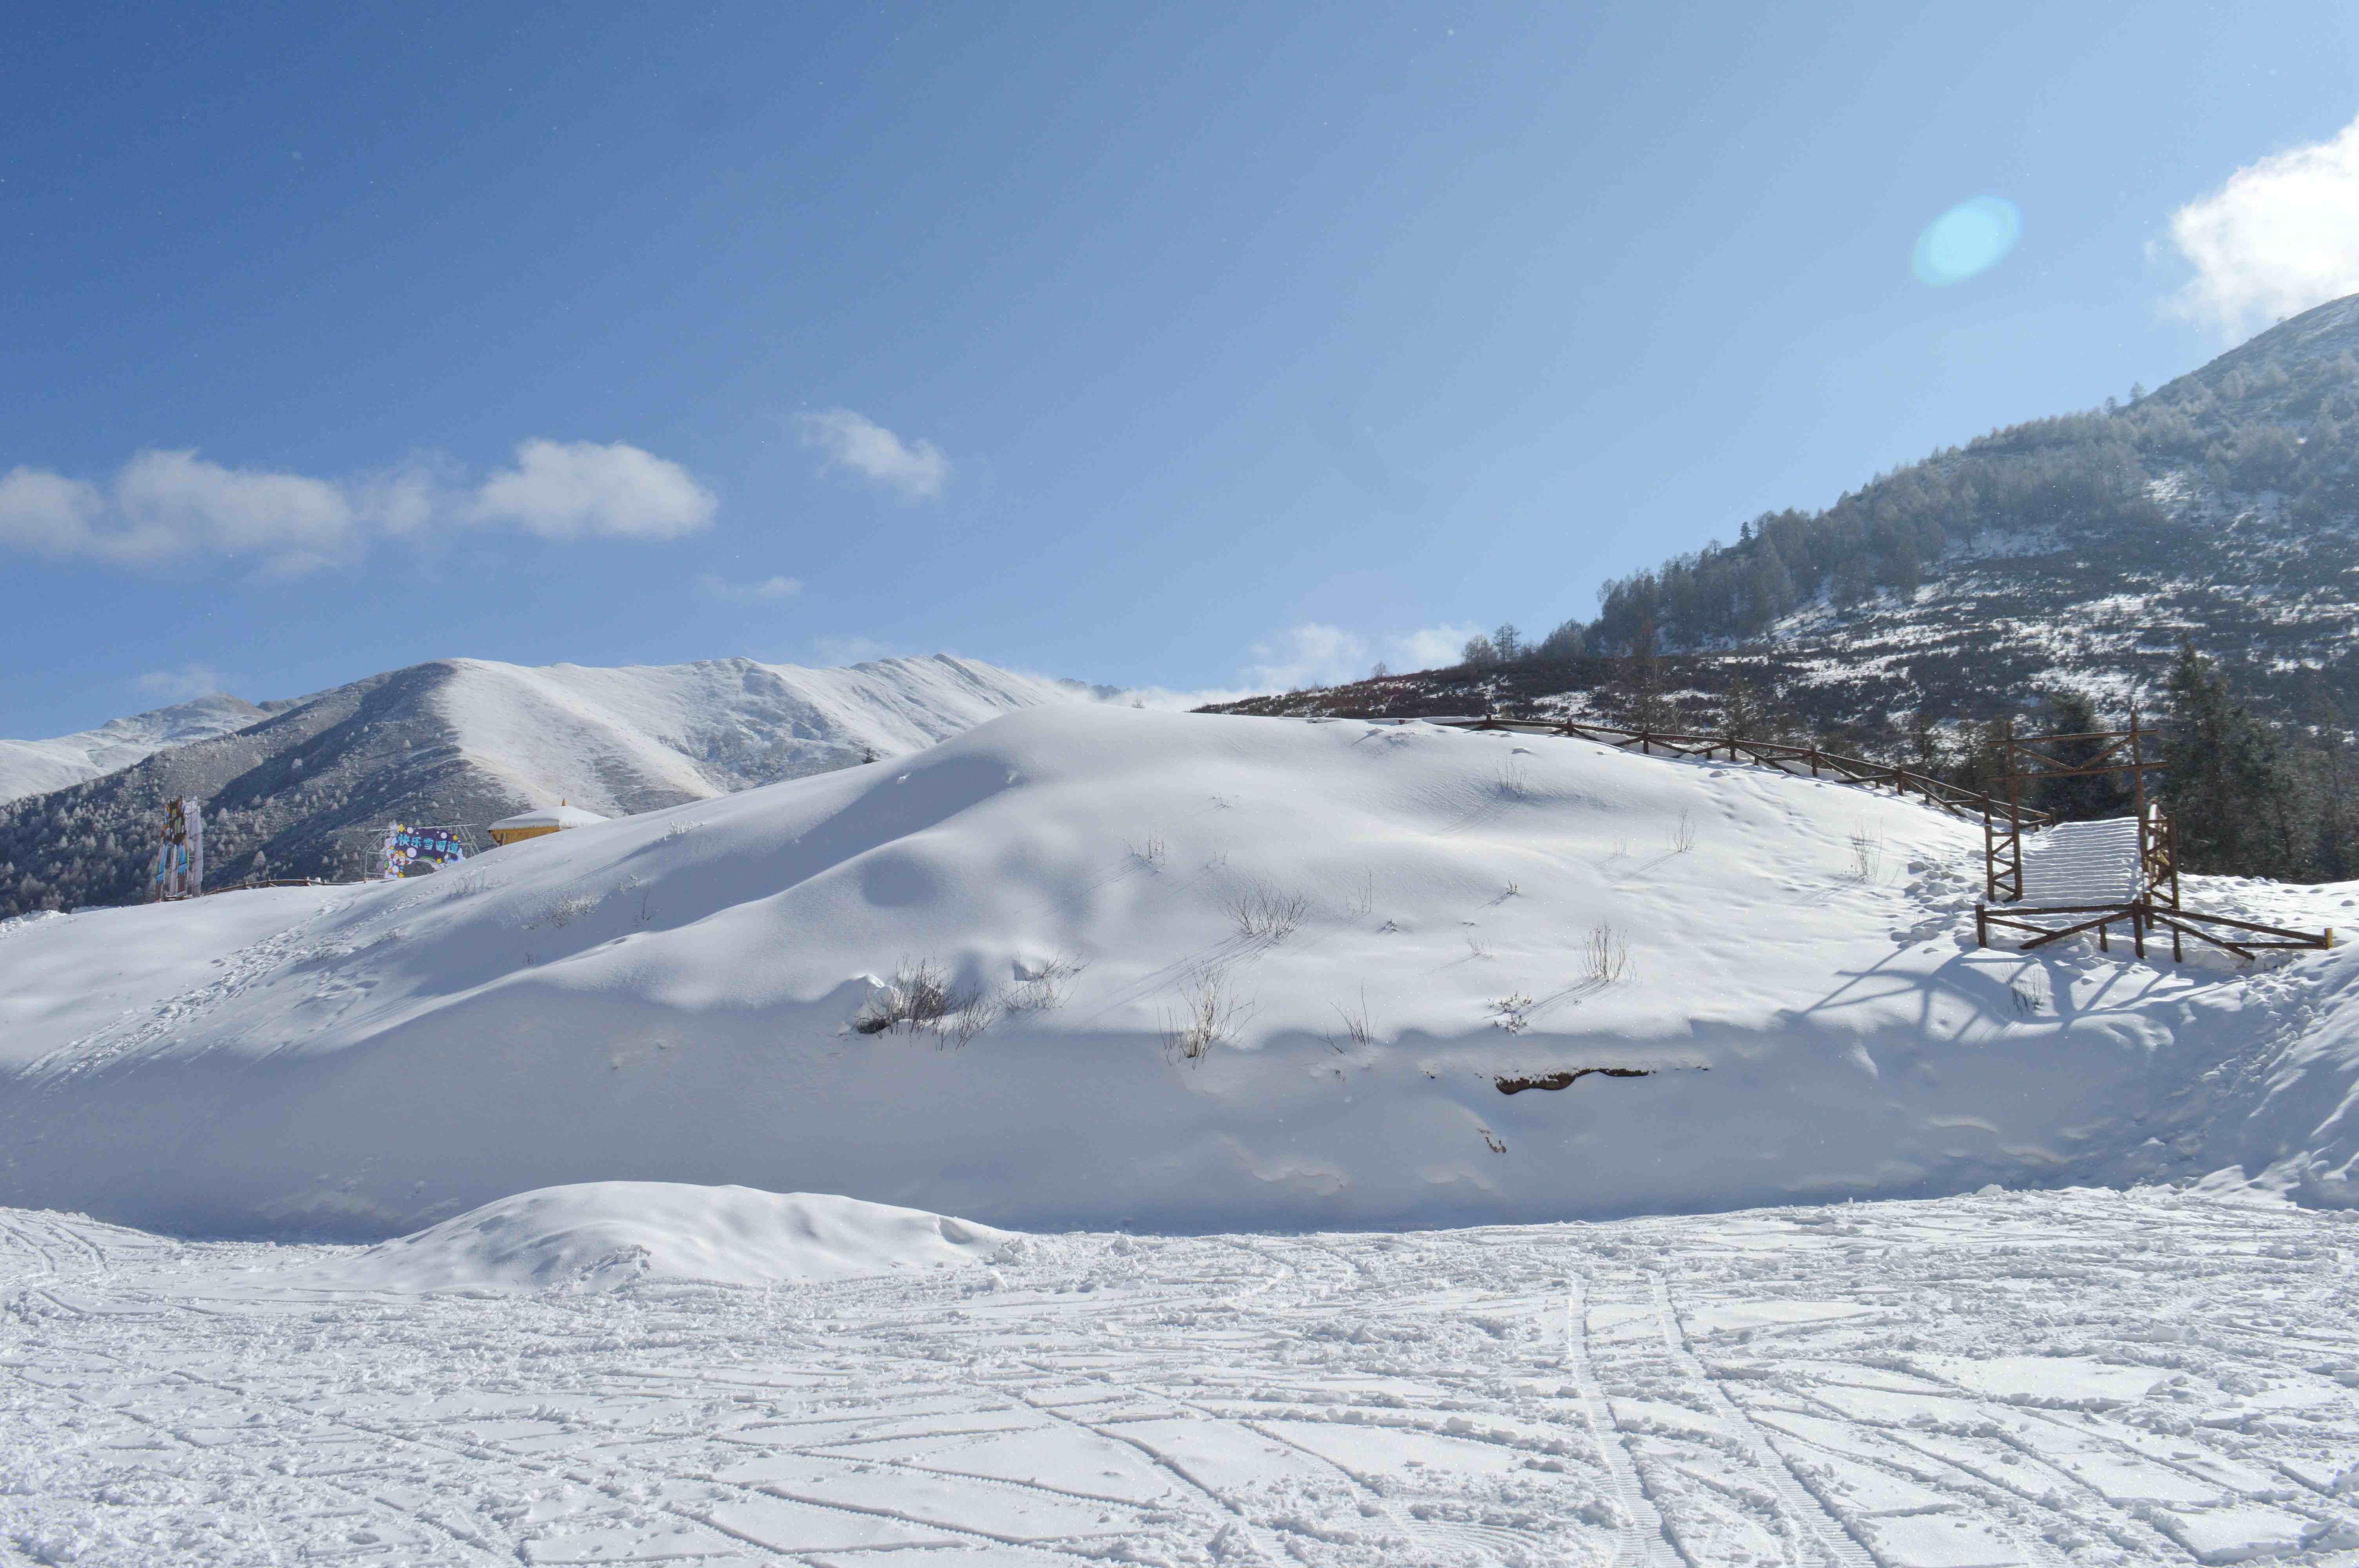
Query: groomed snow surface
x=1329, y=983
x=2082, y=1376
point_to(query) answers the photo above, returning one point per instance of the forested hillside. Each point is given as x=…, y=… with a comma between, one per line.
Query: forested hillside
x=2191, y=552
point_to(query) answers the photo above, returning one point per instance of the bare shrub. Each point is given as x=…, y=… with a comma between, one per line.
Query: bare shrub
x=1683, y=836
x=977, y=1013
x=1511, y=1012
x=1511, y=779
x=1363, y=897
x=1041, y=989
x=1605, y=958
x=680, y=829
x=1867, y=854
x=1267, y=913
x=921, y=997
x=1209, y=1015
x=1476, y=947
x=2030, y=993
x=1355, y=1024
x=1513, y=889
x=1151, y=853
x=564, y=911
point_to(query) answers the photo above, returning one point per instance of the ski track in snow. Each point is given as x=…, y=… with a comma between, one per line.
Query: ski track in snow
x=2035, y=1378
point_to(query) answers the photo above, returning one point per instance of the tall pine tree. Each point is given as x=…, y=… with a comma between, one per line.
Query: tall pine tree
x=2233, y=794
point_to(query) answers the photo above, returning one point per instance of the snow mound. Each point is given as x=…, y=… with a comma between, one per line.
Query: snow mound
x=1084, y=966
x=596, y=1235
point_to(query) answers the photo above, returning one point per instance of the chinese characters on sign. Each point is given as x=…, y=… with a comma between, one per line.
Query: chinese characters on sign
x=413, y=851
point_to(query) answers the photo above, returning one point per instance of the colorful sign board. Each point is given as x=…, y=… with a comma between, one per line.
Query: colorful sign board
x=414, y=851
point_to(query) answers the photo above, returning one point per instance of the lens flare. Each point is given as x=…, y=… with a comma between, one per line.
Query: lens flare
x=1970, y=238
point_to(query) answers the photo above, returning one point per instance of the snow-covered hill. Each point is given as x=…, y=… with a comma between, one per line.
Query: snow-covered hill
x=1192, y=972
x=38, y=767
x=307, y=792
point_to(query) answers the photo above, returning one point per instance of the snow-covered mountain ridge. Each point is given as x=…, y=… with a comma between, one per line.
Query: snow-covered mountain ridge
x=306, y=791
x=1186, y=971
x=38, y=767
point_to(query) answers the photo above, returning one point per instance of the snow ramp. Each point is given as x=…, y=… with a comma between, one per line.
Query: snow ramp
x=2082, y=862
x=1087, y=966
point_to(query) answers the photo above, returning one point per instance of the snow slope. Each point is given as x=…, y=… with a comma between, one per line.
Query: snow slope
x=37, y=767
x=1384, y=928
x=607, y=738
x=2083, y=1377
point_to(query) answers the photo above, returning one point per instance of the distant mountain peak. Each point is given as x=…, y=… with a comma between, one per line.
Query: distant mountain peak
x=306, y=789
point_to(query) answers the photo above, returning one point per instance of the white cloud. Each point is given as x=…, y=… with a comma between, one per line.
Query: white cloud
x=1308, y=654
x=1314, y=655
x=165, y=506
x=566, y=490
x=1163, y=699
x=2281, y=236
x=294, y=525
x=181, y=685
x=1429, y=647
x=48, y=514
x=768, y=591
x=849, y=440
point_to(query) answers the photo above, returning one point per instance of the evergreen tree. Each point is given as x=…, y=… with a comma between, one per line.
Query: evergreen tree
x=2232, y=794
x=1566, y=642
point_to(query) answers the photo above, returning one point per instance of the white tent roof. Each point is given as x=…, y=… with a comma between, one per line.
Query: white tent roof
x=549, y=816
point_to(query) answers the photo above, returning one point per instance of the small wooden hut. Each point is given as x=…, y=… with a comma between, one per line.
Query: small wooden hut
x=533, y=824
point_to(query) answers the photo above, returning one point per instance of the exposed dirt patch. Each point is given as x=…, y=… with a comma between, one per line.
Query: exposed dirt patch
x=1567, y=1080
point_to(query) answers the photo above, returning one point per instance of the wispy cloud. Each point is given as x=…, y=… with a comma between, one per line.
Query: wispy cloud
x=2281, y=236
x=181, y=685
x=174, y=506
x=767, y=590
x=1314, y=653
x=851, y=442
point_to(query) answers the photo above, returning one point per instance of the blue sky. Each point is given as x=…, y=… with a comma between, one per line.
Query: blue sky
x=1197, y=347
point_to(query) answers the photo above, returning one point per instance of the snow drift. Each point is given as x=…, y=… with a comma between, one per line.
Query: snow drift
x=596, y=1235
x=1176, y=971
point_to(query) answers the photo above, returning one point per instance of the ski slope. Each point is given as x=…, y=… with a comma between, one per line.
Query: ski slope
x=2079, y=1377
x=1384, y=928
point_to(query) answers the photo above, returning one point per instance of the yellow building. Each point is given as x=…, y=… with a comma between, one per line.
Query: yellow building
x=533, y=824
